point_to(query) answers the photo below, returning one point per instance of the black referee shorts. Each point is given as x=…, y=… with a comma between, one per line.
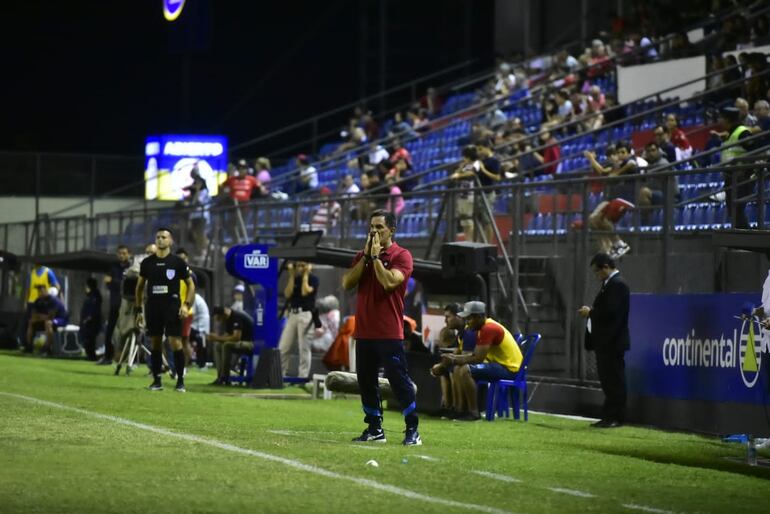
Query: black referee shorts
x=162, y=317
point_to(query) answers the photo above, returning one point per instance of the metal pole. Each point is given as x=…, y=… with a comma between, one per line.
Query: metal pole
x=91, y=202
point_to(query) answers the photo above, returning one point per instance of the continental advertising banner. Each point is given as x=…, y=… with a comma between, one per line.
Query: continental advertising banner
x=692, y=347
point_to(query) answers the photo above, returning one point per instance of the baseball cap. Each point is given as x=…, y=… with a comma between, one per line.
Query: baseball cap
x=240, y=288
x=326, y=191
x=474, y=307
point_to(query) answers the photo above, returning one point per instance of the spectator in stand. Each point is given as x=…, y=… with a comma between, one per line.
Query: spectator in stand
x=395, y=202
x=238, y=292
x=464, y=178
x=733, y=133
x=377, y=154
x=241, y=184
x=354, y=138
x=551, y=154
x=609, y=212
x=328, y=309
x=653, y=191
x=565, y=109
x=419, y=119
x=432, y=102
x=597, y=59
x=349, y=186
x=746, y=118
x=364, y=205
x=762, y=112
x=263, y=167
x=400, y=152
x=663, y=140
x=113, y=281
x=198, y=199
x=678, y=138
x=565, y=63
x=595, y=102
x=489, y=174
x=505, y=81
x=401, y=127
x=91, y=318
x=327, y=214
x=48, y=314
x=308, y=176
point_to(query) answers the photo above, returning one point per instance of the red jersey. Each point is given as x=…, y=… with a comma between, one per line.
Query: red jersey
x=680, y=139
x=552, y=153
x=242, y=187
x=380, y=314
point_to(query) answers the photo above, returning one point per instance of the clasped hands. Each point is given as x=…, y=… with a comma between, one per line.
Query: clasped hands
x=373, y=245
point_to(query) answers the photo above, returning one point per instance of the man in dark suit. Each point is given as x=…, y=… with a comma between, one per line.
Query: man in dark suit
x=607, y=335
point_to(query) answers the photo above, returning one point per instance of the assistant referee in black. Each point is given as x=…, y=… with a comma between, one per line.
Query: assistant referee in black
x=161, y=273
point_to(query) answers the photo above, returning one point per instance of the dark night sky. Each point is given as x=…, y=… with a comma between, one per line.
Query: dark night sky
x=98, y=76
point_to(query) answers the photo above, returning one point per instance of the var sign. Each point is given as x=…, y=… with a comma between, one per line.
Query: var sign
x=256, y=260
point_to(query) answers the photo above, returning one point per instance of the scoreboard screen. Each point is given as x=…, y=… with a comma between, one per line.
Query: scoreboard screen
x=169, y=159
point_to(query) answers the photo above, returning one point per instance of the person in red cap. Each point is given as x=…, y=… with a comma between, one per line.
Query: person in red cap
x=328, y=212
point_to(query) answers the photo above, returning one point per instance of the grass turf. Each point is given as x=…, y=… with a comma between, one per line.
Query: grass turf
x=55, y=460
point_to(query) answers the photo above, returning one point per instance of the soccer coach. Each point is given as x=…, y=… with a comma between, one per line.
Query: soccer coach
x=163, y=273
x=381, y=271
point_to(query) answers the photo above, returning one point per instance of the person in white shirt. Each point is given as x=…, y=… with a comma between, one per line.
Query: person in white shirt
x=201, y=325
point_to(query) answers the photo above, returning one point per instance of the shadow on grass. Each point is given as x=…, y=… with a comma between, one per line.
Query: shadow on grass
x=692, y=460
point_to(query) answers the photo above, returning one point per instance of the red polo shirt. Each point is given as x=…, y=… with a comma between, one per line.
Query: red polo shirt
x=380, y=314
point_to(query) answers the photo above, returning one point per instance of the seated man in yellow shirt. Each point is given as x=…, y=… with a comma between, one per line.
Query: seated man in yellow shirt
x=497, y=356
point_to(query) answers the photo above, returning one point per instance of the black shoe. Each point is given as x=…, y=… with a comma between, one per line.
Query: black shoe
x=468, y=417
x=375, y=435
x=412, y=437
x=117, y=370
x=180, y=387
x=155, y=386
x=217, y=382
x=104, y=362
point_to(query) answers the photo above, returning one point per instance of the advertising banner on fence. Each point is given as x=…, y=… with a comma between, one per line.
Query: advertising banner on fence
x=692, y=347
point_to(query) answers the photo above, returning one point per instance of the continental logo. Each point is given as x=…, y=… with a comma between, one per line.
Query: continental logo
x=743, y=350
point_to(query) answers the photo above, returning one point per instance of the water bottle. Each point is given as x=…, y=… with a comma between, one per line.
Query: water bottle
x=259, y=314
x=751, y=452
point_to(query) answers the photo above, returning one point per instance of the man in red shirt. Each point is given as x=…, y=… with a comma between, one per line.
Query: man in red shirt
x=381, y=271
x=241, y=186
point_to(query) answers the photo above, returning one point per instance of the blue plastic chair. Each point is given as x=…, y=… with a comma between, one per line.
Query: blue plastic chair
x=517, y=386
x=245, y=370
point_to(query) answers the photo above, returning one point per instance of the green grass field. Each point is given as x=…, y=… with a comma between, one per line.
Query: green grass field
x=74, y=438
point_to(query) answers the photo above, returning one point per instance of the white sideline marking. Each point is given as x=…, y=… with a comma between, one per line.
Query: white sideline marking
x=428, y=458
x=646, y=509
x=496, y=476
x=565, y=416
x=372, y=484
x=571, y=492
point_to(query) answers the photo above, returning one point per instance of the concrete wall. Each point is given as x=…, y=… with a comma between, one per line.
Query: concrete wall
x=22, y=208
x=635, y=82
